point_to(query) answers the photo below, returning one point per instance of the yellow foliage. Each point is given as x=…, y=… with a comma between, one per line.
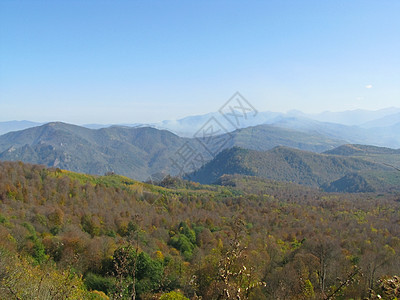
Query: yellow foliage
x=21, y=280
x=159, y=255
x=98, y=295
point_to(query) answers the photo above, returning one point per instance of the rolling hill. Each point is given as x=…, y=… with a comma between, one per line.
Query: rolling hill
x=361, y=150
x=141, y=151
x=379, y=128
x=302, y=167
x=134, y=152
x=265, y=137
x=382, y=155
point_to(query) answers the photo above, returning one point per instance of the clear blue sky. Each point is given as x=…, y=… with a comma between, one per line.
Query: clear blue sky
x=143, y=61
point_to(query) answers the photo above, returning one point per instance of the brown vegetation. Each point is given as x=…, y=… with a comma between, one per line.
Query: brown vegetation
x=252, y=239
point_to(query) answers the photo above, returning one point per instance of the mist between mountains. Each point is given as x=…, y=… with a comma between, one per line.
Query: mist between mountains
x=213, y=136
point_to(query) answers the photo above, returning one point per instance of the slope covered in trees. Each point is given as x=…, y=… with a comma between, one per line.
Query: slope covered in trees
x=302, y=167
x=139, y=152
x=362, y=150
x=134, y=152
x=381, y=155
x=99, y=237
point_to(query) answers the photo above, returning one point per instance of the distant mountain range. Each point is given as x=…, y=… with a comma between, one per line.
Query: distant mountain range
x=9, y=126
x=335, y=171
x=287, y=147
x=361, y=118
x=141, y=151
x=379, y=128
x=357, y=117
x=134, y=152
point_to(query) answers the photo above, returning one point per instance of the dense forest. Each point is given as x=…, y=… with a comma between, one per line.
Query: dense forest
x=338, y=170
x=69, y=235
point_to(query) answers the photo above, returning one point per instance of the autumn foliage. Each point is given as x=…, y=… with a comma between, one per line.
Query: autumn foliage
x=87, y=237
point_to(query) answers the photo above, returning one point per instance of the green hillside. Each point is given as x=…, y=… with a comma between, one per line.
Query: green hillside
x=385, y=156
x=265, y=137
x=134, y=152
x=302, y=167
x=138, y=152
x=362, y=150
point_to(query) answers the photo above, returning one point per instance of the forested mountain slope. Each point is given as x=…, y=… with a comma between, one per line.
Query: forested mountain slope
x=56, y=226
x=302, y=167
x=134, y=152
x=139, y=152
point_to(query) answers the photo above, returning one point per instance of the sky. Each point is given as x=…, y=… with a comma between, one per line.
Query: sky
x=145, y=61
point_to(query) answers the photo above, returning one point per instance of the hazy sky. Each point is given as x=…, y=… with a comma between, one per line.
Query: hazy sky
x=144, y=61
